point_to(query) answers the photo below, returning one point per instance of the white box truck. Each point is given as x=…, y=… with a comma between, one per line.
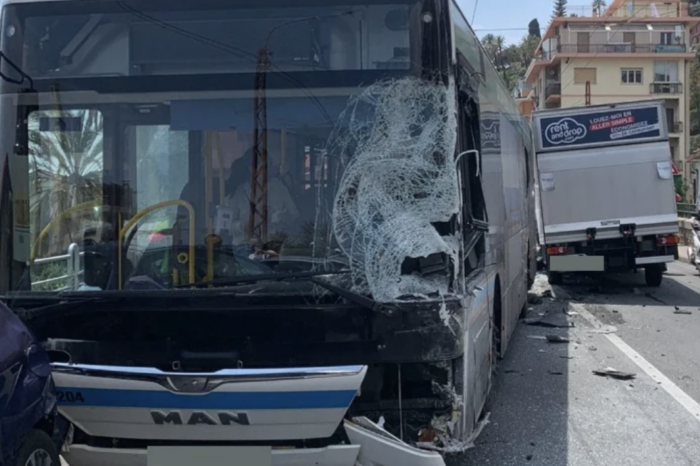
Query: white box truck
x=606, y=192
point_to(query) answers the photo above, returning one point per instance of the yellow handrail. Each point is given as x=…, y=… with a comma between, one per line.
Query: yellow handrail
x=61, y=216
x=142, y=213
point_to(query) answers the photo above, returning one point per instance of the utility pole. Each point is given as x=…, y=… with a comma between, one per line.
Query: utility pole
x=257, y=223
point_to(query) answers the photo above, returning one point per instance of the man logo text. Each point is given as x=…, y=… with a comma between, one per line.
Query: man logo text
x=200, y=418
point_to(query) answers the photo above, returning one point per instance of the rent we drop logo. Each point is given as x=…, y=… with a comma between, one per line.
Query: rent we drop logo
x=565, y=131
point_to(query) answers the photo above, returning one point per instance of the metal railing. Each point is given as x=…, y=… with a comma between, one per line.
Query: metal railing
x=623, y=48
x=628, y=11
x=685, y=210
x=552, y=88
x=666, y=88
x=73, y=272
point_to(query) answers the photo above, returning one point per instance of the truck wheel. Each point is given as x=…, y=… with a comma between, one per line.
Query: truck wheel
x=37, y=449
x=653, y=274
x=556, y=278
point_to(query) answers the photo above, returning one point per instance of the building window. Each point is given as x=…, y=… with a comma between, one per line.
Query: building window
x=666, y=38
x=581, y=75
x=631, y=75
x=665, y=71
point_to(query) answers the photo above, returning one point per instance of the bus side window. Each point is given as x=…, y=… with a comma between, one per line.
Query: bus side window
x=474, y=213
x=471, y=163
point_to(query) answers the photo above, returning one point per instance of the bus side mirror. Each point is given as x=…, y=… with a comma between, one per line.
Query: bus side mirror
x=27, y=103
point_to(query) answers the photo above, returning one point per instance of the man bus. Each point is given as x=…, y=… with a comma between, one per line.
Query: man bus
x=388, y=296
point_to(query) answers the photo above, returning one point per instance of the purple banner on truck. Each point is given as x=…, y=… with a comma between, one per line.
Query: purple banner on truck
x=609, y=125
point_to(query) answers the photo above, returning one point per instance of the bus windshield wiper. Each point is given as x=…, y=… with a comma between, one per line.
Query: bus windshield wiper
x=37, y=307
x=260, y=277
x=311, y=277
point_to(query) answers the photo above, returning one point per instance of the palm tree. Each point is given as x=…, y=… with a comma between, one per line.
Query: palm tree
x=493, y=45
x=65, y=165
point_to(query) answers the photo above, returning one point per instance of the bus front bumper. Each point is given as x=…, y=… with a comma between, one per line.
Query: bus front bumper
x=369, y=445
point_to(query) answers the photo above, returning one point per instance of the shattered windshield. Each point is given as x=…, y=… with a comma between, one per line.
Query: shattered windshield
x=200, y=143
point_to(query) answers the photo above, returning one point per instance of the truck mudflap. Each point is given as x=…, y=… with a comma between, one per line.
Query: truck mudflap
x=237, y=405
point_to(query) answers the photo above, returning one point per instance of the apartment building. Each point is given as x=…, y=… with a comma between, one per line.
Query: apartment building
x=631, y=50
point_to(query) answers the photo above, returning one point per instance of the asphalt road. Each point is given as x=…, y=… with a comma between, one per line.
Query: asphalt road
x=550, y=409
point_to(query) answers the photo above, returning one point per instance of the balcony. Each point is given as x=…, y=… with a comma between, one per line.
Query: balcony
x=666, y=88
x=675, y=127
x=624, y=48
x=660, y=10
x=552, y=92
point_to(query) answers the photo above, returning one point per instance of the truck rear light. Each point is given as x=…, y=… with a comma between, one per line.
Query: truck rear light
x=557, y=250
x=667, y=240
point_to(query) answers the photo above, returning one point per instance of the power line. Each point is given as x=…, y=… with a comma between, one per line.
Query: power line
x=507, y=29
x=476, y=4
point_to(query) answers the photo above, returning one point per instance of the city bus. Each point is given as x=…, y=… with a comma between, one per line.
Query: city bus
x=297, y=227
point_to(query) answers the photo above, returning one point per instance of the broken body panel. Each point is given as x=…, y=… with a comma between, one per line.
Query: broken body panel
x=409, y=155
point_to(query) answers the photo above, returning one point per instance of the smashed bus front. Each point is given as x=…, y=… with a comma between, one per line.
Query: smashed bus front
x=238, y=223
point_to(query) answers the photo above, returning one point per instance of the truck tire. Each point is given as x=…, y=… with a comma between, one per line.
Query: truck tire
x=556, y=278
x=653, y=274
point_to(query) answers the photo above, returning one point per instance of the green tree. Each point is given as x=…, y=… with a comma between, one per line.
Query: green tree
x=599, y=6
x=694, y=7
x=510, y=61
x=559, y=8
x=533, y=29
x=694, y=72
x=694, y=105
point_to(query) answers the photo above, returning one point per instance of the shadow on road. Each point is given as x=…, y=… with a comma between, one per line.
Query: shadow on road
x=528, y=423
x=606, y=289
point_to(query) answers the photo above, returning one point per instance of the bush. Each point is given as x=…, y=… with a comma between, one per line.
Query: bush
x=42, y=272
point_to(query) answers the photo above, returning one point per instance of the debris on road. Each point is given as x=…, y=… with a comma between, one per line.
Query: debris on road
x=549, y=338
x=533, y=299
x=615, y=374
x=555, y=373
x=682, y=311
x=552, y=320
x=605, y=330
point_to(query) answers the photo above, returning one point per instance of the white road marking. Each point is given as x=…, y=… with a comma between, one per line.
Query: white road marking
x=692, y=406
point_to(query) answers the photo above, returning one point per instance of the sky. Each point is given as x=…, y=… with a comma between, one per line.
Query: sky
x=509, y=18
